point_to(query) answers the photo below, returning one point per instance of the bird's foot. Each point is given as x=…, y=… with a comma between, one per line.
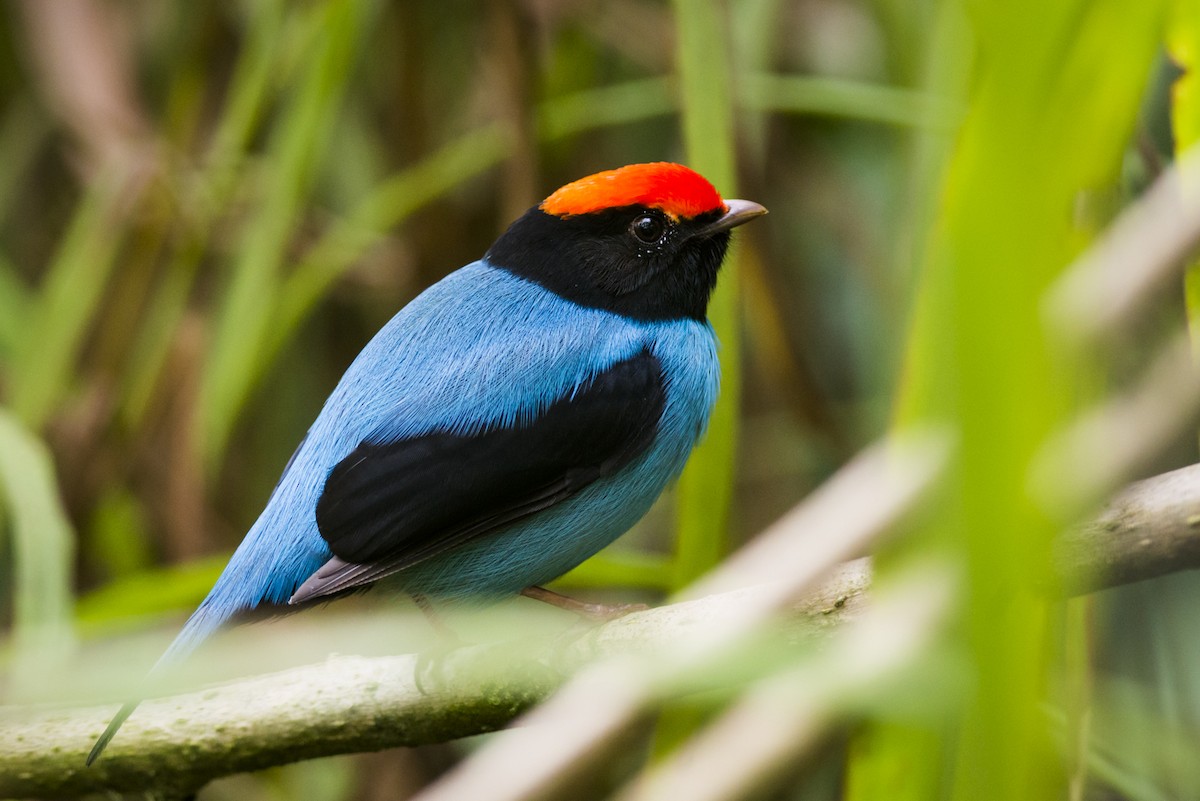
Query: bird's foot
x=428, y=672
x=600, y=613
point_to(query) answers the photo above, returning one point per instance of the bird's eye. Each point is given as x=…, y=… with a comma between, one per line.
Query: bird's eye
x=648, y=228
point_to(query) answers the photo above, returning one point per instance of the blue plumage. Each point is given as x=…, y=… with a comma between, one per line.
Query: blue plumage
x=480, y=349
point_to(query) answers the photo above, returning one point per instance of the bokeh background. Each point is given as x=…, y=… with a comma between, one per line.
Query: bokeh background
x=206, y=209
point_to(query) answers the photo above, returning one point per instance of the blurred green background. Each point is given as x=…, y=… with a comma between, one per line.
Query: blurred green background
x=206, y=209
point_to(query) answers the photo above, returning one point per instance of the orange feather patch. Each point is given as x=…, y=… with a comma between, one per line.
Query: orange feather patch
x=672, y=188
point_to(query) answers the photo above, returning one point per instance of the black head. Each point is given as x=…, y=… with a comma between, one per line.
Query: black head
x=654, y=258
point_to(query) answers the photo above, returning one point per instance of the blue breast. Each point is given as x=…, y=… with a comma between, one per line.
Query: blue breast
x=479, y=349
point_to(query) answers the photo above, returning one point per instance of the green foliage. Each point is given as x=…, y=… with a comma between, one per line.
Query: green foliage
x=981, y=357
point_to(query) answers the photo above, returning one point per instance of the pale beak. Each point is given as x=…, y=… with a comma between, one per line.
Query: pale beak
x=738, y=212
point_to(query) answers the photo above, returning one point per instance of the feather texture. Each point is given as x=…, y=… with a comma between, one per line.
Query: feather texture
x=389, y=506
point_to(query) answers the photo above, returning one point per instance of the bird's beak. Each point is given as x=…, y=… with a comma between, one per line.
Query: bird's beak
x=738, y=212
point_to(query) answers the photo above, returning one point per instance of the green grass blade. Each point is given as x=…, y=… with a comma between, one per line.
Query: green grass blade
x=1184, y=43
x=298, y=141
x=705, y=491
x=980, y=358
x=846, y=99
x=623, y=568
x=706, y=487
x=43, y=552
x=249, y=85
x=64, y=308
x=606, y=106
x=249, y=92
x=15, y=300
x=149, y=593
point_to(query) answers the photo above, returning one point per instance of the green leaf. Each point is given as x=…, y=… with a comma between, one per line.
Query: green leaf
x=65, y=306
x=43, y=548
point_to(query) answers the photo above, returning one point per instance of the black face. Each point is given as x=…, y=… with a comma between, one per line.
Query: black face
x=634, y=261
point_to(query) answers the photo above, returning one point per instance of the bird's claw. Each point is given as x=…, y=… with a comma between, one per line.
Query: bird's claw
x=427, y=672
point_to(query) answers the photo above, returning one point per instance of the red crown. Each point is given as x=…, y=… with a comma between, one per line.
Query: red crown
x=672, y=188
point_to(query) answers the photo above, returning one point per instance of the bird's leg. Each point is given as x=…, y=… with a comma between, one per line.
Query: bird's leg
x=425, y=671
x=600, y=612
x=436, y=622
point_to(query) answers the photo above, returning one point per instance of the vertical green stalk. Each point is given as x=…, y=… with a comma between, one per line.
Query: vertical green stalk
x=298, y=142
x=979, y=360
x=249, y=90
x=15, y=300
x=706, y=487
x=65, y=306
x=1183, y=41
x=43, y=553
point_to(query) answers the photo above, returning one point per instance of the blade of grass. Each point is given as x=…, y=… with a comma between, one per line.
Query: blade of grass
x=1183, y=42
x=248, y=96
x=15, y=300
x=149, y=592
x=65, y=307
x=617, y=104
x=297, y=142
x=705, y=491
x=43, y=553
x=979, y=356
x=248, y=86
x=845, y=99
x=622, y=569
x=706, y=487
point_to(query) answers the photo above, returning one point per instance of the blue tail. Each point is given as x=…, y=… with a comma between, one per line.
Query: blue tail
x=281, y=550
x=199, y=627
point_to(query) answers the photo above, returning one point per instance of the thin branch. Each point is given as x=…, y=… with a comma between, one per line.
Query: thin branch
x=1102, y=449
x=1150, y=529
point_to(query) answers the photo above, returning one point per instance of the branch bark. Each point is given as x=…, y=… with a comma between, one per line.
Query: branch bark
x=1150, y=529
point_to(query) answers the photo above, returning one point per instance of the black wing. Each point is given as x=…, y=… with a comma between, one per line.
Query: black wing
x=388, y=506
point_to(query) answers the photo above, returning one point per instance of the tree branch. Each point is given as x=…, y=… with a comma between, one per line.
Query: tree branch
x=348, y=704
x=1150, y=529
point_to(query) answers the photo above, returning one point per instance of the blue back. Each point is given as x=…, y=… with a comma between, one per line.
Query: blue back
x=479, y=349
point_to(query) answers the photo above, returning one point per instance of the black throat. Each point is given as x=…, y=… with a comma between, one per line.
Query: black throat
x=595, y=261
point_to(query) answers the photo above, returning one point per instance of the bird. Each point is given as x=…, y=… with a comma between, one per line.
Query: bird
x=511, y=420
